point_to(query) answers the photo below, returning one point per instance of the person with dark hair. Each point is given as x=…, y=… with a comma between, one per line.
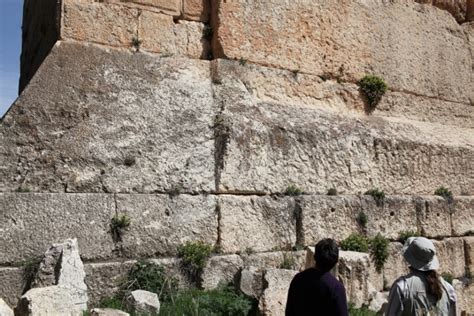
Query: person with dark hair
x=422, y=292
x=316, y=291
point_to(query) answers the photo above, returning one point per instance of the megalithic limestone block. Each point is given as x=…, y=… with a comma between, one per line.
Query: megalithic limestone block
x=51, y=301
x=5, y=310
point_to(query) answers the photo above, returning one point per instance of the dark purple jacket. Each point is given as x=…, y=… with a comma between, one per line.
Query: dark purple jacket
x=315, y=293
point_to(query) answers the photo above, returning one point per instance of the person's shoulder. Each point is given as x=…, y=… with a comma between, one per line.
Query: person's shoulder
x=449, y=290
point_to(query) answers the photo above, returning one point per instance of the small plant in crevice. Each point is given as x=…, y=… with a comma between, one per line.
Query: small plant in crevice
x=136, y=43
x=445, y=193
x=378, y=196
x=448, y=277
x=118, y=224
x=176, y=190
x=194, y=256
x=288, y=262
x=373, y=88
x=30, y=268
x=249, y=251
x=22, y=189
x=362, y=219
x=242, y=61
x=361, y=311
x=129, y=161
x=379, y=250
x=207, y=32
x=405, y=234
x=355, y=242
x=293, y=190
x=332, y=191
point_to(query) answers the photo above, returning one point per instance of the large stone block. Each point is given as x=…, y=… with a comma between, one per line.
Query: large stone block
x=294, y=260
x=197, y=10
x=138, y=123
x=12, y=285
x=5, y=310
x=171, y=7
x=181, y=38
x=469, y=252
x=434, y=216
x=420, y=50
x=273, y=300
x=267, y=147
x=252, y=223
x=221, y=270
x=30, y=223
x=161, y=223
x=293, y=88
x=395, y=266
x=51, y=300
x=99, y=22
x=456, y=7
x=451, y=256
x=251, y=282
x=463, y=215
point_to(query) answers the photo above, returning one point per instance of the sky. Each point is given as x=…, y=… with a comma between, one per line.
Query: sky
x=10, y=49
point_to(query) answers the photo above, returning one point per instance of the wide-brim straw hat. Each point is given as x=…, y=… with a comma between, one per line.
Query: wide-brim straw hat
x=420, y=253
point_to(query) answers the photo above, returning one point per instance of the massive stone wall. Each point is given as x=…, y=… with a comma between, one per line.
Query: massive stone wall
x=194, y=117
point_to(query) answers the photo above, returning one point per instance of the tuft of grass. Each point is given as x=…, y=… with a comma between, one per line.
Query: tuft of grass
x=378, y=196
x=362, y=311
x=242, y=61
x=405, y=234
x=288, y=262
x=332, y=191
x=379, y=250
x=448, y=277
x=136, y=43
x=293, y=190
x=118, y=224
x=195, y=254
x=355, y=242
x=30, y=269
x=445, y=193
x=22, y=189
x=113, y=302
x=373, y=88
x=362, y=219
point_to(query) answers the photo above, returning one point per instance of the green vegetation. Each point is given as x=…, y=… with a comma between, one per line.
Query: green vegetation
x=113, y=302
x=445, y=193
x=405, y=234
x=293, y=190
x=118, y=225
x=379, y=250
x=30, y=268
x=355, y=242
x=362, y=219
x=378, y=196
x=22, y=189
x=195, y=254
x=288, y=262
x=242, y=61
x=221, y=301
x=136, y=43
x=332, y=191
x=363, y=311
x=448, y=277
x=373, y=88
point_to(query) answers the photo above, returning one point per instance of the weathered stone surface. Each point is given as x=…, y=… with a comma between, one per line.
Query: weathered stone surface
x=295, y=260
x=252, y=223
x=292, y=88
x=221, y=270
x=357, y=273
x=251, y=282
x=469, y=253
x=144, y=302
x=273, y=300
x=463, y=215
x=31, y=222
x=197, y=10
x=12, y=285
x=378, y=302
x=171, y=7
x=451, y=256
x=456, y=7
x=182, y=38
x=434, y=216
x=416, y=49
x=269, y=146
x=464, y=297
x=470, y=10
x=161, y=223
x=51, y=300
x=62, y=266
x=107, y=312
x=99, y=22
x=395, y=266
x=139, y=123
x=5, y=310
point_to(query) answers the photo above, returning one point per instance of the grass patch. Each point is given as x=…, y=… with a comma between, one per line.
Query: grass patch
x=378, y=196
x=118, y=224
x=293, y=190
x=445, y=193
x=355, y=242
x=362, y=219
x=405, y=234
x=362, y=311
x=195, y=254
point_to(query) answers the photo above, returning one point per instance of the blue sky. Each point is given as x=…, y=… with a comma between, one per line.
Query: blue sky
x=11, y=12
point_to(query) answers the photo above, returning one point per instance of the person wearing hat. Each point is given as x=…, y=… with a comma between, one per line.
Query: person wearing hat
x=422, y=292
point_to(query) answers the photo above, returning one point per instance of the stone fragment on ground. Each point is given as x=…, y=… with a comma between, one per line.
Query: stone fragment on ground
x=144, y=302
x=5, y=310
x=251, y=282
x=107, y=312
x=62, y=266
x=378, y=302
x=51, y=301
x=273, y=300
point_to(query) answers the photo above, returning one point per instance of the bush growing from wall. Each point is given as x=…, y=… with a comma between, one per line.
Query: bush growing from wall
x=445, y=193
x=379, y=250
x=373, y=88
x=293, y=190
x=195, y=254
x=355, y=242
x=405, y=234
x=378, y=196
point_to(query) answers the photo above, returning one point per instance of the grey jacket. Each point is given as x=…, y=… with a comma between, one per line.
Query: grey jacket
x=408, y=297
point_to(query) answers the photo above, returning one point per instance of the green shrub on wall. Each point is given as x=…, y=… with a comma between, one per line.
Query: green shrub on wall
x=355, y=242
x=373, y=88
